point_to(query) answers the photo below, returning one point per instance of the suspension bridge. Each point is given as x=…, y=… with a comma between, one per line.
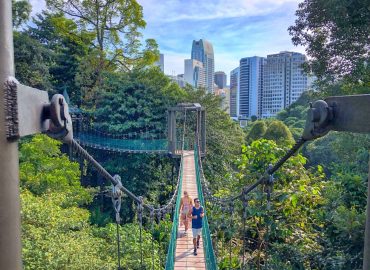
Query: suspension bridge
x=27, y=111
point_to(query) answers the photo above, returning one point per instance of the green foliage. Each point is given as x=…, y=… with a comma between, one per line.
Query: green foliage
x=336, y=34
x=43, y=169
x=56, y=231
x=257, y=131
x=116, y=26
x=32, y=62
x=21, y=10
x=55, y=237
x=69, y=46
x=290, y=222
x=278, y=132
x=132, y=102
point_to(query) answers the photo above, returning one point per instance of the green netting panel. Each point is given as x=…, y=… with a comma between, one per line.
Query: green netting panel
x=123, y=144
x=211, y=262
x=170, y=262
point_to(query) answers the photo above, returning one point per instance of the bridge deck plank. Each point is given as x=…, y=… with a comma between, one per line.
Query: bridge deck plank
x=185, y=260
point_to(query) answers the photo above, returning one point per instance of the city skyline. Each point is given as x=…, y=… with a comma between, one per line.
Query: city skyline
x=236, y=29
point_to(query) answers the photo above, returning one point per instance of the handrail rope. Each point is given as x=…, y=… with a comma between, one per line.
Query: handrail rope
x=102, y=171
x=117, y=200
x=119, y=187
x=248, y=189
x=211, y=261
x=140, y=217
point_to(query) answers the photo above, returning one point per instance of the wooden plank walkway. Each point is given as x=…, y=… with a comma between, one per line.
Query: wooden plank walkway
x=185, y=260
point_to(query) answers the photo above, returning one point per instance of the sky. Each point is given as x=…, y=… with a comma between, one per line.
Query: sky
x=236, y=28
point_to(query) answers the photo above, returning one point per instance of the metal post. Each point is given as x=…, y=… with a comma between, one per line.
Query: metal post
x=10, y=239
x=203, y=132
x=169, y=131
x=174, y=136
x=366, y=264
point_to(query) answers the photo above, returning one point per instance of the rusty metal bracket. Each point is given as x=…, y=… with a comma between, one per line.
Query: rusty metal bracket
x=23, y=109
x=338, y=113
x=28, y=111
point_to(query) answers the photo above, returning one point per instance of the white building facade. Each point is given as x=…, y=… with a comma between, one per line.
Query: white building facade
x=284, y=82
x=251, y=86
x=194, y=73
x=234, y=93
x=202, y=50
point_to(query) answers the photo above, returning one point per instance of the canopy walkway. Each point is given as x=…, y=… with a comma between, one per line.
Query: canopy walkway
x=158, y=146
x=184, y=247
x=26, y=111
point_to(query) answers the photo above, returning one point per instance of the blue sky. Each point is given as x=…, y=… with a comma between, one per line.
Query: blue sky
x=236, y=28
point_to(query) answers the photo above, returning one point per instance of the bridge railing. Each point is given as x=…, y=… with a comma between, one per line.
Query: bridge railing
x=171, y=254
x=211, y=262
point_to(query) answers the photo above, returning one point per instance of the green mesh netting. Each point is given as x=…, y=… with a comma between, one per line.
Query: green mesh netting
x=122, y=144
x=170, y=262
x=211, y=262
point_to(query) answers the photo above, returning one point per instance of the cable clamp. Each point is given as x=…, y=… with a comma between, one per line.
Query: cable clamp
x=117, y=197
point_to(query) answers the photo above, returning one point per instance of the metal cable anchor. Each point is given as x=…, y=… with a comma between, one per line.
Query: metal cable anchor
x=117, y=197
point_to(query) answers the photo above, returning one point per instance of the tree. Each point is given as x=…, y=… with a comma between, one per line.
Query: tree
x=278, y=132
x=133, y=102
x=32, y=62
x=56, y=230
x=69, y=45
x=116, y=27
x=284, y=235
x=21, y=10
x=43, y=169
x=257, y=131
x=336, y=34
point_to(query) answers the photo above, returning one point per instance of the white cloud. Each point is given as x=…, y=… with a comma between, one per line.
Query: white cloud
x=37, y=6
x=172, y=10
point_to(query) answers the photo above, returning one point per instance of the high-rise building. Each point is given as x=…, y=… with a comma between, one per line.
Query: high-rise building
x=202, y=50
x=234, y=92
x=160, y=62
x=284, y=81
x=194, y=73
x=251, y=84
x=220, y=79
x=179, y=79
x=224, y=93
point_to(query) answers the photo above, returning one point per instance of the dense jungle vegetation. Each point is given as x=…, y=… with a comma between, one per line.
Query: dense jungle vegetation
x=317, y=214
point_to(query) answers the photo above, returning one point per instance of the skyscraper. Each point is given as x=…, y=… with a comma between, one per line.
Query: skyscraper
x=234, y=92
x=194, y=73
x=220, y=79
x=284, y=81
x=202, y=50
x=160, y=62
x=251, y=84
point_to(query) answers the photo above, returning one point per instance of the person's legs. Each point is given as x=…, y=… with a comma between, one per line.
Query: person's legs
x=186, y=223
x=195, y=235
x=198, y=239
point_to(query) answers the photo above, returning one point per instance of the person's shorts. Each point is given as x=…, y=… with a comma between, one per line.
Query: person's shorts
x=196, y=232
